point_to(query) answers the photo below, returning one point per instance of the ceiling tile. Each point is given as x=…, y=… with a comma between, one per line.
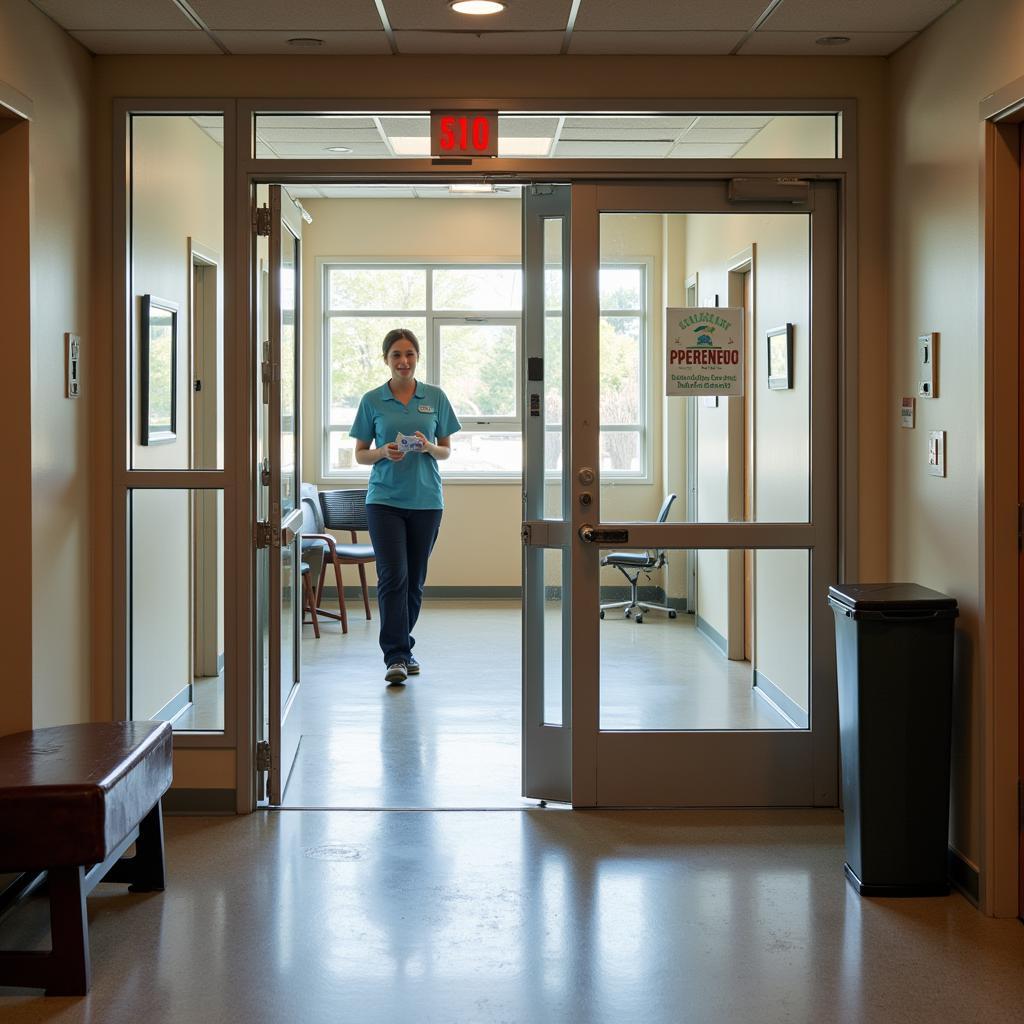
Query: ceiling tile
x=835, y=16
x=521, y=15
x=638, y=150
x=313, y=121
x=479, y=42
x=526, y=127
x=317, y=151
x=654, y=42
x=733, y=120
x=617, y=135
x=406, y=126
x=146, y=15
x=668, y=123
x=719, y=135
x=703, y=152
x=319, y=136
x=861, y=44
x=147, y=42
x=668, y=15
x=333, y=42
x=293, y=16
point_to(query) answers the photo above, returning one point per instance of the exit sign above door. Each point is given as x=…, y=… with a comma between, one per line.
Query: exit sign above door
x=463, y=133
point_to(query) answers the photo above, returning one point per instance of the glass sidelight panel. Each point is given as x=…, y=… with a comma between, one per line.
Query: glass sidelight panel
x=725, y=649
x=554, y=632
x=176, y=608
x=555, y=305
x=729, y=459
x=176, y=267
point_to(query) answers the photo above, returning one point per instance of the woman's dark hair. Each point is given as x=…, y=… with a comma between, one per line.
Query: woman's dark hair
x=399, y=334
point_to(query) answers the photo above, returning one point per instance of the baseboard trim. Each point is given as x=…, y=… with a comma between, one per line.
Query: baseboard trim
x=175, y=705
x=710, y=633
x=964, y=875
x=199, y=801
x=784, y=704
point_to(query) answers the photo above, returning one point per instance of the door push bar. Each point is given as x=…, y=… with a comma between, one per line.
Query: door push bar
x=593, y=535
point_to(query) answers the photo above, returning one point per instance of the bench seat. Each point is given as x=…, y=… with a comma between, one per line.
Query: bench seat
x=73, y=799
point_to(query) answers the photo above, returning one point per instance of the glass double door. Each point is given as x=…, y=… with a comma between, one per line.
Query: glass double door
x=680, y=513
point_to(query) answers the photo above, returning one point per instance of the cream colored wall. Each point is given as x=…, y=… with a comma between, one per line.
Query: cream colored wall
x=781, y=435
x=177, y=171
x=937, y=83
x=487, y=516
x=55, y=73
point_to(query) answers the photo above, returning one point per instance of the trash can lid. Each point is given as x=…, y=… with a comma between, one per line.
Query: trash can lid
x=889, y=597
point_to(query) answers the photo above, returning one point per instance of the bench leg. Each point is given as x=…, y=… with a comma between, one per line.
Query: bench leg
x=68, y=965
x=149, y=853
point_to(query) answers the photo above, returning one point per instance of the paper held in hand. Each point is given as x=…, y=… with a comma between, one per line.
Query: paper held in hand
x=409, y=443
x=703, y=351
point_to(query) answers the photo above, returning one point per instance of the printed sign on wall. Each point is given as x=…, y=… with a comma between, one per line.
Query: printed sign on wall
x=703, y=351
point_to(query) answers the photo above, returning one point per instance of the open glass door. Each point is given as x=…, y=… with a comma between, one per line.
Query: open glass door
x=546, y=679
x=715, y=688
x=279, y=583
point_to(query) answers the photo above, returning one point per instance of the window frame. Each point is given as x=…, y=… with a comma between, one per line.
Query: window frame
x=430, y=342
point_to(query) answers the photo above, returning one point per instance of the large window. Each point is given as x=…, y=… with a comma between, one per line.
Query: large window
x=468, y=319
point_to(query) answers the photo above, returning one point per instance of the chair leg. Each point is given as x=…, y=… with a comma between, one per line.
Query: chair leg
x=307, y=592
x=341, y=597
x=366, y=592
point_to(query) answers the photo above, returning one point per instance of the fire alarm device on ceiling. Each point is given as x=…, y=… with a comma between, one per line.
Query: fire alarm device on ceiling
x=927, y=365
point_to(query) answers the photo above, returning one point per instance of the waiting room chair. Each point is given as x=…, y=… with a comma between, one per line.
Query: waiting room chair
x=631, y=564
x=309, y=601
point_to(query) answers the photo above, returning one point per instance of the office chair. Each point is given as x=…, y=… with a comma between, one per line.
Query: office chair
x=635, y=563
x=346, y=510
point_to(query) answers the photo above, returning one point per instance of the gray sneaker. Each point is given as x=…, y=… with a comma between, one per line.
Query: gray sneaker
x=396, y=673
x=412, y=666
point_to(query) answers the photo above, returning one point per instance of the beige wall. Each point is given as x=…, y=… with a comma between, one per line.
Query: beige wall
x=55, y=73
x=937, y=84
x=177, y=171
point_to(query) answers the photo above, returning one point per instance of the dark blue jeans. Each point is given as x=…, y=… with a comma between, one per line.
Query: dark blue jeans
x=402, y=541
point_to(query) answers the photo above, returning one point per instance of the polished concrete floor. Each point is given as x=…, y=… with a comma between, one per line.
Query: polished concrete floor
x=451, y=737
x=524, y=917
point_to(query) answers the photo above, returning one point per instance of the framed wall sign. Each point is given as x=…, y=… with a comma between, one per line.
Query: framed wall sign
x=462, y=133
x=780, y=358
x=158, y=365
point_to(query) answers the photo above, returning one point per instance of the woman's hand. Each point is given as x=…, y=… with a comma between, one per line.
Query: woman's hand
x=429, y=448
x=393, y=452
x=439, y=451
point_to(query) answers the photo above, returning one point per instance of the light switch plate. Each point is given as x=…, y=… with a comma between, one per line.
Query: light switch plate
x=927, y=365
x=937, y=452
x=72, y=365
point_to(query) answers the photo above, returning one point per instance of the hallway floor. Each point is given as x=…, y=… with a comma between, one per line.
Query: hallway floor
x=525, y=917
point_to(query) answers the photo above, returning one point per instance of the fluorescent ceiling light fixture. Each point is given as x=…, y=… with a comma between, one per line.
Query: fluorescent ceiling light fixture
x=471, y=186
x=523, y=147
x=337, y=149
x=406, y=145
x=477, y=6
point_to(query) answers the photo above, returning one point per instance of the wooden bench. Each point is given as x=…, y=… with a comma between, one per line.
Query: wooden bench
x=72, y=800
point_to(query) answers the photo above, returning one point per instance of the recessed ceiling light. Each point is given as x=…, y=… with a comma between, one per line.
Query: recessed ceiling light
x=305, y=41
x=477, y=6
x=337, y=149
x=471, y=186
x=832, y=40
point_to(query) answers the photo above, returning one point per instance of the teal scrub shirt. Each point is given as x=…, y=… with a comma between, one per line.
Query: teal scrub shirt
x=415, y=481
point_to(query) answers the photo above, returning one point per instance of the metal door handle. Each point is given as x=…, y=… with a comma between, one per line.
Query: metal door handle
x=291, y=526
x=593, y=535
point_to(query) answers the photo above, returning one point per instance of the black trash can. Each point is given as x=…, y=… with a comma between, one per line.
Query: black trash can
x=894, y=654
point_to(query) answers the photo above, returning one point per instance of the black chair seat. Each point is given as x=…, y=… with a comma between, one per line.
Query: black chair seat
x=638, y=559
x=355, y=552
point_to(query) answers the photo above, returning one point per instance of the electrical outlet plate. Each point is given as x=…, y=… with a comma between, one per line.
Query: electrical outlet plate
x=927, y=365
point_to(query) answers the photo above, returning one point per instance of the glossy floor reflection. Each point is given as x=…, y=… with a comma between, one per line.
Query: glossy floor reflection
x=451, y=737
x=528, y=916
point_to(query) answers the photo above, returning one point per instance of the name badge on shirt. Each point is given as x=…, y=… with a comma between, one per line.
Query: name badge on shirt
x=425, y=408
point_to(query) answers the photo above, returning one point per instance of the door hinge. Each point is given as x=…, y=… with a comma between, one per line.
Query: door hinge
x=264, y=534
x=263, y=756
x=265, y=472
x=526, y=535
x=1020, y=527
x=261, y=220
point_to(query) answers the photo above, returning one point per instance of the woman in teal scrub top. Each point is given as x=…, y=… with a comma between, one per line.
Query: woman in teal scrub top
x=404, y=500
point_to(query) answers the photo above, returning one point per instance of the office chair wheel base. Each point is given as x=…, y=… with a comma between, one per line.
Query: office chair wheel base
x=672, y=614
x=600, y=615
x=639, y=619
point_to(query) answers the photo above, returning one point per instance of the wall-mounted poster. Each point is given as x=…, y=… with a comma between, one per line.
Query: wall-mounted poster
x=703, y=351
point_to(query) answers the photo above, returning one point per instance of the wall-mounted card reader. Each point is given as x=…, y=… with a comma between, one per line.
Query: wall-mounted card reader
x=937, y=453
x=927, y=365
x=72, y=365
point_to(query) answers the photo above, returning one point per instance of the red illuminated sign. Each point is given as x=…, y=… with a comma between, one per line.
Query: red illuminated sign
x=463, y=133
